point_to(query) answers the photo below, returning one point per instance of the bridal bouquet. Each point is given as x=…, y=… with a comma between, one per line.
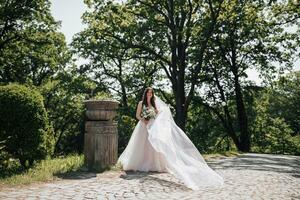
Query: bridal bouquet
x=148, y=114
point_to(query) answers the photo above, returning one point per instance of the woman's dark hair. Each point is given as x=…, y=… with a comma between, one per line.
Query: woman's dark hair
x=152, y=100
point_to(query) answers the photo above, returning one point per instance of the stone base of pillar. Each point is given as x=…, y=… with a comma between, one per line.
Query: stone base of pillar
x=100, y=144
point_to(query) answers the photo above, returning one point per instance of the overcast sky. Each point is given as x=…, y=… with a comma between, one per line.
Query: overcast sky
x=69, y=12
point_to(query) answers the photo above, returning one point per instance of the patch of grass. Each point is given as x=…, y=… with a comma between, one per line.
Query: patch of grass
x=46, y=170
x=116, y=167
x=221, y=155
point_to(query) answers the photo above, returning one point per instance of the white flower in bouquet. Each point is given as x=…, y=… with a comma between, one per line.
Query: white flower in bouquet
x=148, y=113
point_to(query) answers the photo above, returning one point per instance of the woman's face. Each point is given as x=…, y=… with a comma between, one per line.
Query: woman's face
x=149, y=93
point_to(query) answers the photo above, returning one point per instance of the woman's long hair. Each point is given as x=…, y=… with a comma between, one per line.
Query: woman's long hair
x=152, y=100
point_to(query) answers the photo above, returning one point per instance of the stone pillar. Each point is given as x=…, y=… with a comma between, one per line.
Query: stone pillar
x=101, y=134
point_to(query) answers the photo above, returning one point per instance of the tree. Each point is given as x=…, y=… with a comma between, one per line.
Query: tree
x=17, y=16
x=63, y=99
x=285, y=100
x=205, y=129
x=31, y=48
x=272, y=130
x=245, y=38
x=172, y=34
x=192, y=47
x=119, y=69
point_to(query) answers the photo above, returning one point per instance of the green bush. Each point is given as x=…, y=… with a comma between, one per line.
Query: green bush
x=24, y=132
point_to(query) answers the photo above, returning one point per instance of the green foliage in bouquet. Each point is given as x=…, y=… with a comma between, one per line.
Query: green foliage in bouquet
x=148, y=113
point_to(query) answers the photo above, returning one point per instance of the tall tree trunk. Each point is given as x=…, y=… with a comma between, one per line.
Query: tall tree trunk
x=227, y=119
x=180, y=100
x=181, y=113
x=242, y=117
x=241, y=111
x=181, y=107
x=229, y=128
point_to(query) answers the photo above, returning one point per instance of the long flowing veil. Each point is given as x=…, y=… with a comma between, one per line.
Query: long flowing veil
x=183, y=159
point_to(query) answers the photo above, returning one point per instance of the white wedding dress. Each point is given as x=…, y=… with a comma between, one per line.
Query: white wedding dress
x=162, y=146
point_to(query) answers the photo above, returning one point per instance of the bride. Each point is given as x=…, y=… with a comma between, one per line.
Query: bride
x=158, y=144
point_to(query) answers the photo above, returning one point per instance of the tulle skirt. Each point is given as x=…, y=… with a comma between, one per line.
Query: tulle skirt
x=139, y=154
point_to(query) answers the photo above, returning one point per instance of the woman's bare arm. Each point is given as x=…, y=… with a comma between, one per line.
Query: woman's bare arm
x=138, y=111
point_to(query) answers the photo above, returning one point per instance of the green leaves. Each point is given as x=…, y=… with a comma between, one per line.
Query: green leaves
x=276, y=126
x=25, y=127
x=31, y=49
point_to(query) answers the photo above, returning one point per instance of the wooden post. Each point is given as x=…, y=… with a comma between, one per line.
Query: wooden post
x=101, y=134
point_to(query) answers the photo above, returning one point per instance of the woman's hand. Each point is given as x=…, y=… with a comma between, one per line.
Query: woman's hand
x=145, y=121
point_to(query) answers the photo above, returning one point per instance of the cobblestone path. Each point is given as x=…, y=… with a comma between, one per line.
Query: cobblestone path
x=249, y=176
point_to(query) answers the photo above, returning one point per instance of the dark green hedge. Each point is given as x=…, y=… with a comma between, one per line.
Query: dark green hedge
x=24, y=131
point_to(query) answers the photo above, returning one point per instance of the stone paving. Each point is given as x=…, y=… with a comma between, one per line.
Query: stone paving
x=249, y=176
